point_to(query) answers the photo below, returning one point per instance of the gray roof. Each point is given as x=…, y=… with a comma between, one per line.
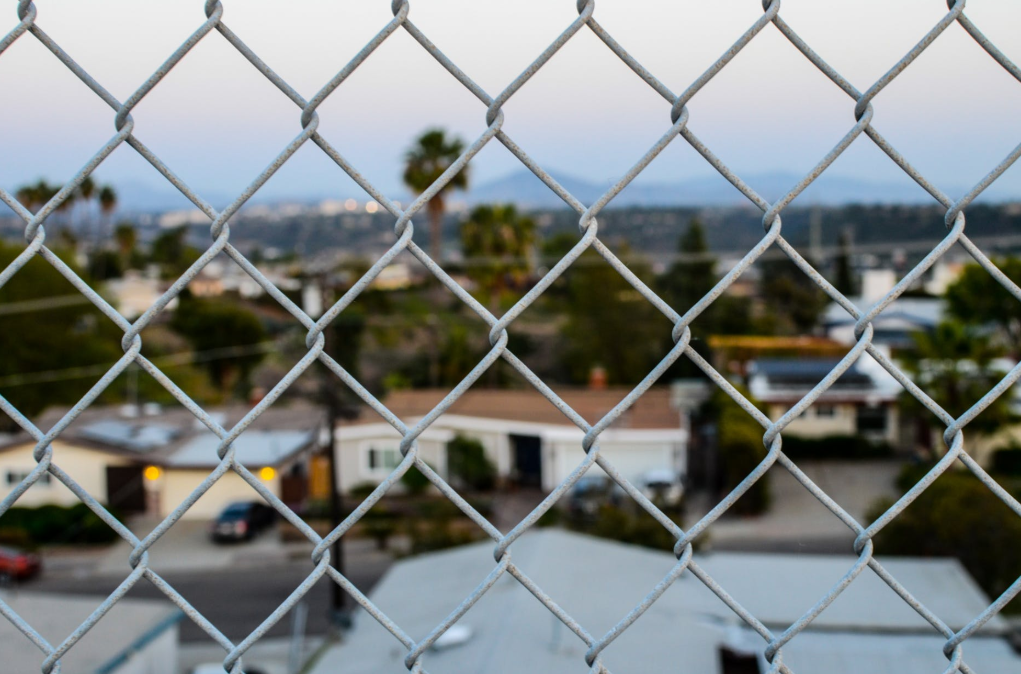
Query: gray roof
x=598, y=582
x=175, y=437
x=125, y=627
x=253, y=448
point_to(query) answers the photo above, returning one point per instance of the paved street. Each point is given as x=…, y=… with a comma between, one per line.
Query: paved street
x=235, y=600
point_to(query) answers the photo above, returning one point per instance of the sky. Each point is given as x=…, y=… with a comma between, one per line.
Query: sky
x=218, y=122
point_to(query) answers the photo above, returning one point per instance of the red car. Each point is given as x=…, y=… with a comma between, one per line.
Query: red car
x=17, y=565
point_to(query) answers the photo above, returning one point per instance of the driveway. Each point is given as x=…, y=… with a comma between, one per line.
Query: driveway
x=796, y=520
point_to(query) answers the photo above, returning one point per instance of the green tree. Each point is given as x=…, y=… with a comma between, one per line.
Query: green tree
x=608, y=322
x=845, y=274
x=977, y=298
x=468, y=465
x=170, y=251
x=432, y=154
x=957, y=516
x=497, y=243
x=36, y=339
x=693, y=275
x=794, y=300
x=127, y=239
x=740, y=449
x=954, y=365
x=214, y=325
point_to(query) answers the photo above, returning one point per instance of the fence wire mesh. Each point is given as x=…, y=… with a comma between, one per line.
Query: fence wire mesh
x=680, y=126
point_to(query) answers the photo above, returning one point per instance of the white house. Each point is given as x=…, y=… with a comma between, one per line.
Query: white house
x=862, y=402
x=151, y=459
x=529, y=440
x=868, y=628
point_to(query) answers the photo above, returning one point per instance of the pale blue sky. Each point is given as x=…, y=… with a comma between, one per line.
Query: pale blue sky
x=218, y=122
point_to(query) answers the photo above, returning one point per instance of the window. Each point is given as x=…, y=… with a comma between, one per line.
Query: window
x=15, y=476
x=381, y=460
x=871, y=419
x=825, y=411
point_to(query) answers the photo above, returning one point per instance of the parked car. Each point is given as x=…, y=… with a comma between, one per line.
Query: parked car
x=241, y=521
x=590, y=493
x=17, y=565
x=662, y=486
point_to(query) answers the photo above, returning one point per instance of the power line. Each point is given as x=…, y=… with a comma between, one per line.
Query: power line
x=170, y=360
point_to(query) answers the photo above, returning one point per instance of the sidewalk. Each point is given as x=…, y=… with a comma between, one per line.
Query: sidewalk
x=795, y=515
x=186, y=547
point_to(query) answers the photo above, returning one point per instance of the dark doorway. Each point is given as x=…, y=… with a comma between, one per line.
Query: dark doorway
x=527, y=460
x=125, y=490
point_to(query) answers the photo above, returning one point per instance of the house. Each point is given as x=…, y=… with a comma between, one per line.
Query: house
x=868, y=628
x=862, y=402
x=529, y=440
x=894, y=327
x=151, y=459
x=137, y=636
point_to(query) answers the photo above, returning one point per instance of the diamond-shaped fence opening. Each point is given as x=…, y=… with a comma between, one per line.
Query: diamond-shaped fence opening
x=586, y=244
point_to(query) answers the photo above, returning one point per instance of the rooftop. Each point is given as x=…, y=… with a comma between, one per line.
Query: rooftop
x=128, y=625
x=175, y=437
x=652, y=411
x=512, y=632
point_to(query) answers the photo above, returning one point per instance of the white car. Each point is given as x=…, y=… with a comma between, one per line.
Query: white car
x=662, y=485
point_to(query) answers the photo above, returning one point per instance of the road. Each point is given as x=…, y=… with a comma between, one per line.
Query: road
x=235, y=601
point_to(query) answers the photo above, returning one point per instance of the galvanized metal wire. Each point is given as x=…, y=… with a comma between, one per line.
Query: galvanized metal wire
x=680, y=126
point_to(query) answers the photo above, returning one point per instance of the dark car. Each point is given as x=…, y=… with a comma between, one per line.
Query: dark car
x=17, y=565
x=590, y=493
x=241, y=521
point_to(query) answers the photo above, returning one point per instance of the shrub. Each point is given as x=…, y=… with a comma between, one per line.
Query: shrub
x=468, y=464
x=54, y=524
x=739, y=444
x=415, y=481
x=1007, y=461
x=957, y=516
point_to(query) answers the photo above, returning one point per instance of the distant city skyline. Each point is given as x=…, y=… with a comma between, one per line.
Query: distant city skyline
x=217, y=122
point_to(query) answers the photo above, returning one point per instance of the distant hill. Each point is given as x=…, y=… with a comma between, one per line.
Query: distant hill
x=525, y=189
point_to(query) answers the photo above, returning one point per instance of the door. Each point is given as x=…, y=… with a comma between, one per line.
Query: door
x=527, y=460
x=125, y=490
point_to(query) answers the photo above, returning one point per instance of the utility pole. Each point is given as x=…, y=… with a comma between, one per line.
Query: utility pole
x=339, y=615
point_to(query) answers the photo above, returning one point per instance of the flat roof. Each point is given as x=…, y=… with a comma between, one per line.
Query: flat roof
x=128, y=624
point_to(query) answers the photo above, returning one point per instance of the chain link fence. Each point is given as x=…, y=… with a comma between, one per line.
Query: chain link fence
x=30, y=27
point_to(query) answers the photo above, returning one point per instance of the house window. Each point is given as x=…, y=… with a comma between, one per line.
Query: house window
x=871, y=419
x=15, y=476
x=383, y=459
x=825, y=411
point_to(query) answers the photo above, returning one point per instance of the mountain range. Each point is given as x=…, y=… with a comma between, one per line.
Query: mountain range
x=525, y=189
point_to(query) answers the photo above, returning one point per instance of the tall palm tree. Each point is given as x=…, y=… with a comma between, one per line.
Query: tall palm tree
x=107, y=204
x=497, y=243
x=431, y=155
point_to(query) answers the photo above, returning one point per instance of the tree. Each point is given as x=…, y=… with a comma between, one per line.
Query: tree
x=107, y=204
x=977, y=298
x=957, y=516
x=35, y=339
x=740, y=448
x=431, y=155
x=954, y=365
x=468, y=465
x=693, y=275
x=213, y=325
x=497, y=242
x=608, y=322
x=794, y=299
x=127, y=239
x=170, y=251
x=845, y=274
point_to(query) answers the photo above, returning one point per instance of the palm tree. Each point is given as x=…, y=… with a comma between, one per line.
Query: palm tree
x=955, y=364
x=431, y=155
x=107, y=204
x=497, y=244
